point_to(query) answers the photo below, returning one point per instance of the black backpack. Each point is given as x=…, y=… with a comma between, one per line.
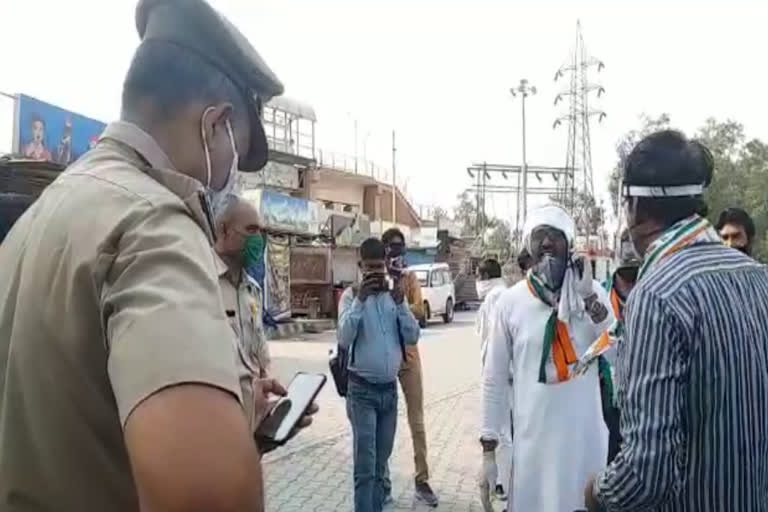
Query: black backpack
x=339, y=365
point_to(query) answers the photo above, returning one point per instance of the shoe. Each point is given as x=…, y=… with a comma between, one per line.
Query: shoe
x=500, y=494
x=388, y=500
x=425, y=494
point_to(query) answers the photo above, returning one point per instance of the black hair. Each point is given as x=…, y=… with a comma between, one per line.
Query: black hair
x=372, y=249
x=738, y=217
x=665, y=159
x=490, y=269
x=170, y=77
x=37, y=118
x=390, y=234
x=524, y=260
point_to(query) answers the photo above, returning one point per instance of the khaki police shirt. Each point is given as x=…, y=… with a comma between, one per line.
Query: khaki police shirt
x=243, y=307
x=108, y=293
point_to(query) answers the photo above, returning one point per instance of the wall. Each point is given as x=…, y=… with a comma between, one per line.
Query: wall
x=338, y=191
x=404, y=214
x=344, y=261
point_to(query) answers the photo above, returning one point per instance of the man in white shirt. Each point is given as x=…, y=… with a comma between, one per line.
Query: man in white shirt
x=490, y=286
x=541, y=326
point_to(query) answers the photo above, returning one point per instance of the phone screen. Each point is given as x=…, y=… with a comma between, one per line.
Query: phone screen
x=301, y=391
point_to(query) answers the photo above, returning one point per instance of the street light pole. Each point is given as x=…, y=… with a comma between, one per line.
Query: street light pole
x=524, y=90
x=355, y=146
x=394, y=180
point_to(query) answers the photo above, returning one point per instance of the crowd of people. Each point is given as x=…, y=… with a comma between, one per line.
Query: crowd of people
x=668, y=412
x=647, y=392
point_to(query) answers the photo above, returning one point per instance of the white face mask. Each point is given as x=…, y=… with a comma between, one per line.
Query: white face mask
x=217, y=199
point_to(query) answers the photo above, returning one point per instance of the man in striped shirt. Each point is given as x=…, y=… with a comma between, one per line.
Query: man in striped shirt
x=693, y=385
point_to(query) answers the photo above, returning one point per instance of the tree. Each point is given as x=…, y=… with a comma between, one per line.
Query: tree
x=740, y=175
x=466, y=214
x=624, y=146
x=740, y=178
x=439, y=213
x=499, y=241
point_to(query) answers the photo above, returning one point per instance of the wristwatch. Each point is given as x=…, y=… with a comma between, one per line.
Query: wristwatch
x=489, y=445
x=597, y=311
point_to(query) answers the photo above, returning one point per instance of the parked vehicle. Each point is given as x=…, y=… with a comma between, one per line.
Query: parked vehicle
x=437, y=290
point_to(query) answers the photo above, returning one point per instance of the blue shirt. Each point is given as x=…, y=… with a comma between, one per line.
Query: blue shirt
x=371, y=329
x=693, y=388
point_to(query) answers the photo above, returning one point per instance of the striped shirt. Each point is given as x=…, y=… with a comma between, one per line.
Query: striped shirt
x=694, y=388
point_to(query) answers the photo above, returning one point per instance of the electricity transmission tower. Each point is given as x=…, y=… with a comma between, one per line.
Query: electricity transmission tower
x=576, y=189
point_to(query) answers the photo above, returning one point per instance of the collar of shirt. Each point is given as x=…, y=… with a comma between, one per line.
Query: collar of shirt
x=161, y=169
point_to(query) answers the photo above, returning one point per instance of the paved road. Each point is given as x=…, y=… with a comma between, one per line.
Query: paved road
x=314, y=472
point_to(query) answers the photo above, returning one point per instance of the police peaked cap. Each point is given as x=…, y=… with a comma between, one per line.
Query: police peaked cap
x=197, y=27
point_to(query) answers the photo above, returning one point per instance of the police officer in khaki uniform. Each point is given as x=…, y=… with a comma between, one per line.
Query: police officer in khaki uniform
x=240, y=243
x=118, y=384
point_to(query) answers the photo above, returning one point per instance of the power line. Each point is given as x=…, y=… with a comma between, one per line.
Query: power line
x=577, y=192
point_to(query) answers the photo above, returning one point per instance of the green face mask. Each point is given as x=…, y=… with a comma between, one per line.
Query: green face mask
x=253, y=250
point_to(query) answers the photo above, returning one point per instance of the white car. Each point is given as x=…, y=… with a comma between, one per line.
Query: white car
x=437, y=290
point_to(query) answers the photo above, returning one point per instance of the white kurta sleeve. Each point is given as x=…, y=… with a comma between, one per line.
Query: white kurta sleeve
x=496, y=373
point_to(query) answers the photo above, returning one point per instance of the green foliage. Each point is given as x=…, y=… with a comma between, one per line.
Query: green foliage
x=499, y=242
x=740, y=178
x=498, y=233
x=466, y=214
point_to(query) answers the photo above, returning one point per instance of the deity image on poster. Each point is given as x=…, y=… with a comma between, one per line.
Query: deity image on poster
x=48, y=133
x=36, y=148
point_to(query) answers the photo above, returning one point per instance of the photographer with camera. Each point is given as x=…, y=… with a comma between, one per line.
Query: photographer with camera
x=410, y=374
x=375, y=325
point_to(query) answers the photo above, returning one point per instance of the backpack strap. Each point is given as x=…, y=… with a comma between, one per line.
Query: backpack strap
x=401, y=340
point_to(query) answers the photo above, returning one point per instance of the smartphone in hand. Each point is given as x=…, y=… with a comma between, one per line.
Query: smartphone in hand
x=302, y=391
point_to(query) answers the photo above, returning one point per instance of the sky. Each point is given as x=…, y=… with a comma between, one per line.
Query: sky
x=438, y=72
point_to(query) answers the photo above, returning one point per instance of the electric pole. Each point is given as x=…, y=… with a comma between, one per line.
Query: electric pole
x=394, y=180
x=577, y=191
x=524, y=90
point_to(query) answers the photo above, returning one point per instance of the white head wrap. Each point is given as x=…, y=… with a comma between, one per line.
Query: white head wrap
x=550, y=215
x=569, y=303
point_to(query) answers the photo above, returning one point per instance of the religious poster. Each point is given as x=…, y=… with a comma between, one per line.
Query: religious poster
x=45, y=132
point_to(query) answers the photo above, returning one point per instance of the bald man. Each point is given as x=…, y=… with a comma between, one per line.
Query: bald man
x=240, y=243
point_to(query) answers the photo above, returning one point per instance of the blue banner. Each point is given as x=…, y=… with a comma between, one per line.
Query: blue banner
x=46, y=132
x=285, y=213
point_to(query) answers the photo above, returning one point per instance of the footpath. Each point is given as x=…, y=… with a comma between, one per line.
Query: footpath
x=314, y=471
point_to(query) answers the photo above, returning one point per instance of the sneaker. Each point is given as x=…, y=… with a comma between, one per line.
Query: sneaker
x=500, y=494
x=388, y=500
x=425, y=494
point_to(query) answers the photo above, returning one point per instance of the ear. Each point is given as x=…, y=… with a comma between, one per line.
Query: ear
x=222, y=230
x=215, y=117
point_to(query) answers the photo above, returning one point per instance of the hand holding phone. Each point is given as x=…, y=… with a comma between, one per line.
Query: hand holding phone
x=290, y=413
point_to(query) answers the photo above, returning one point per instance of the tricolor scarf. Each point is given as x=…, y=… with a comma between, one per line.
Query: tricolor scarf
x=690, y=231
x=609, y=338
x=557, y=354
x=605, y=342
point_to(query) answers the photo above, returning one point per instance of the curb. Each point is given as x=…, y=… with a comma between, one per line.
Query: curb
x=293, y=329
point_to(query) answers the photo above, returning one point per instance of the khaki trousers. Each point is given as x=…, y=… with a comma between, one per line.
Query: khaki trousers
x=413, y=390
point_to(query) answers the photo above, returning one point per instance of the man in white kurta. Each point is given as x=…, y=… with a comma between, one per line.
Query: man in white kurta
x=560, y=438
x=490, y=286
